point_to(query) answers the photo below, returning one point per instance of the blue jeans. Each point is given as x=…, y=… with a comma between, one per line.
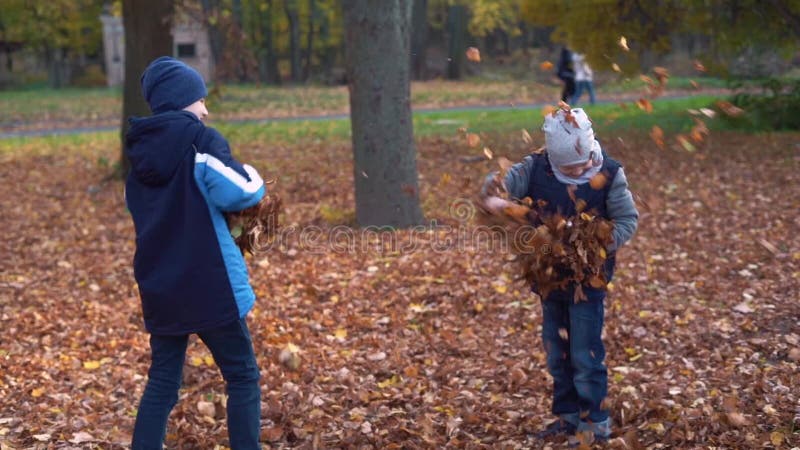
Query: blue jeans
x=232, y=349
x=580, y=86
x=575, y=356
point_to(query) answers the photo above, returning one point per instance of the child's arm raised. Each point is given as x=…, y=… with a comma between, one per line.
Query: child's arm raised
x=621, y=210
x=516, y=180
x=229, y=185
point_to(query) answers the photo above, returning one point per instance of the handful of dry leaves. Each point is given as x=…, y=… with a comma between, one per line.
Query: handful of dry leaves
x=254, y=228
x=553, y=252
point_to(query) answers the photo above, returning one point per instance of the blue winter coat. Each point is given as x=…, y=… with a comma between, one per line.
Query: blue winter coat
x=190, y=273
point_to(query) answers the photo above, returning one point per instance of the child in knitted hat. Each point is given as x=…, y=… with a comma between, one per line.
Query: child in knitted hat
x=572, y=158
x=191, y=276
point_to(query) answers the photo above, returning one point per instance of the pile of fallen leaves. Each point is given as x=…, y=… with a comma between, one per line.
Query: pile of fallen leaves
x=554, y=252
x=254, y=228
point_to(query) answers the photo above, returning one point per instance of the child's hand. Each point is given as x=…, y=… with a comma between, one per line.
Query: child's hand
x=496, y=205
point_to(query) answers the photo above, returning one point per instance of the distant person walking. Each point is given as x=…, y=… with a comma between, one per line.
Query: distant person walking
x=583, y=78
x=566, y=73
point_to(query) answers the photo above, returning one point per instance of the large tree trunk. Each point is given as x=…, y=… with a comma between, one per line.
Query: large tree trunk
x=215, y=39
x=267, y=60
x=148, y=35
x=419, y=39
x=293, y=16
x=384, y=157
x=312, y=15
x=457, y=40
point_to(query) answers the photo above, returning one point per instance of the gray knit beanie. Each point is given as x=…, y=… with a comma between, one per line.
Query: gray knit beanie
x=569, y=137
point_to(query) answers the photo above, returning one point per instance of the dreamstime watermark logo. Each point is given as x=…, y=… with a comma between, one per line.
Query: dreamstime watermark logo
x=437, y=237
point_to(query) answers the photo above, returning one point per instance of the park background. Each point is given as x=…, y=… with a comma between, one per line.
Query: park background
x=435, y=344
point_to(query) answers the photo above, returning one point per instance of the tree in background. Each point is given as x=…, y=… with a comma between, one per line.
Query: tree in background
x=148, y=35
x=62, y=32
x=384, y=158
x=595, y=27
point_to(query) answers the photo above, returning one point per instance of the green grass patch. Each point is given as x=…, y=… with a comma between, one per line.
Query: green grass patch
x=669, y=114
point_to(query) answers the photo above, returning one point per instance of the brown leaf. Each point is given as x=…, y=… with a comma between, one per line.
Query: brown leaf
x=473, y=54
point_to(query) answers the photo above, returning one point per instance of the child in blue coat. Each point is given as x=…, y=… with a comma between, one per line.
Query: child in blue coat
x=192, y=277
x=575, y=359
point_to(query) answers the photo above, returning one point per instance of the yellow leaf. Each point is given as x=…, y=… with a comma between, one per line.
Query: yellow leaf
x=334, y=299
x=340, y=333
x=549, y=109
x=196, y=361
x=395, y=379
x=478, y=307
x=602, y=253
x=209, y=360
x=91, y=365
x=417, y=307
x=624, y=43
x=37, y=392
x=292, y=348
x=776, y=437
x=615, y=67
x=501, y=288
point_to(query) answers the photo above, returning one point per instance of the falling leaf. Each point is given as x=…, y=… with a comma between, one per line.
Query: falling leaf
x=657, y=135
x=526, y=137
x=729, y=109
x=623, y=43
x=615, y=67
x=698, y=66
x=487, y=152
x=598, y=181
x=645, y=105
x=695, y=84
x=548, y=109
x=546, y=66
x=563, y=333
x=504, y=163
x=710, y=113
x=684, y=142
x=473, y=54
x=473, y=139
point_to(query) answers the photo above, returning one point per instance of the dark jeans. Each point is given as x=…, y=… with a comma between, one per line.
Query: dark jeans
x=569, y=89
x=232, y=349
x=581, y=86
x=575, y=356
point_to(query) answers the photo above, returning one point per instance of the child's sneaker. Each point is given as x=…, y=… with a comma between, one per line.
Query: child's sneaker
x=589, y=433
x=564, y=426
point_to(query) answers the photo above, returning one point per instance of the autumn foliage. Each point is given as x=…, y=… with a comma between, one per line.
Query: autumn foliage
x=254, y=228
x=553, y=252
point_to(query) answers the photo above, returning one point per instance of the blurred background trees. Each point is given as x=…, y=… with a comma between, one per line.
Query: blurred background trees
x=301, y=41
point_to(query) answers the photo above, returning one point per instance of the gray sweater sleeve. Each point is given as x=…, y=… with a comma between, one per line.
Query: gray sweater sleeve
x=621, y=210
x=516, y=180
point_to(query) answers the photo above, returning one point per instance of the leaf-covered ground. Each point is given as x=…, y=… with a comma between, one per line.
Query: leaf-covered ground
x=427, y=347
